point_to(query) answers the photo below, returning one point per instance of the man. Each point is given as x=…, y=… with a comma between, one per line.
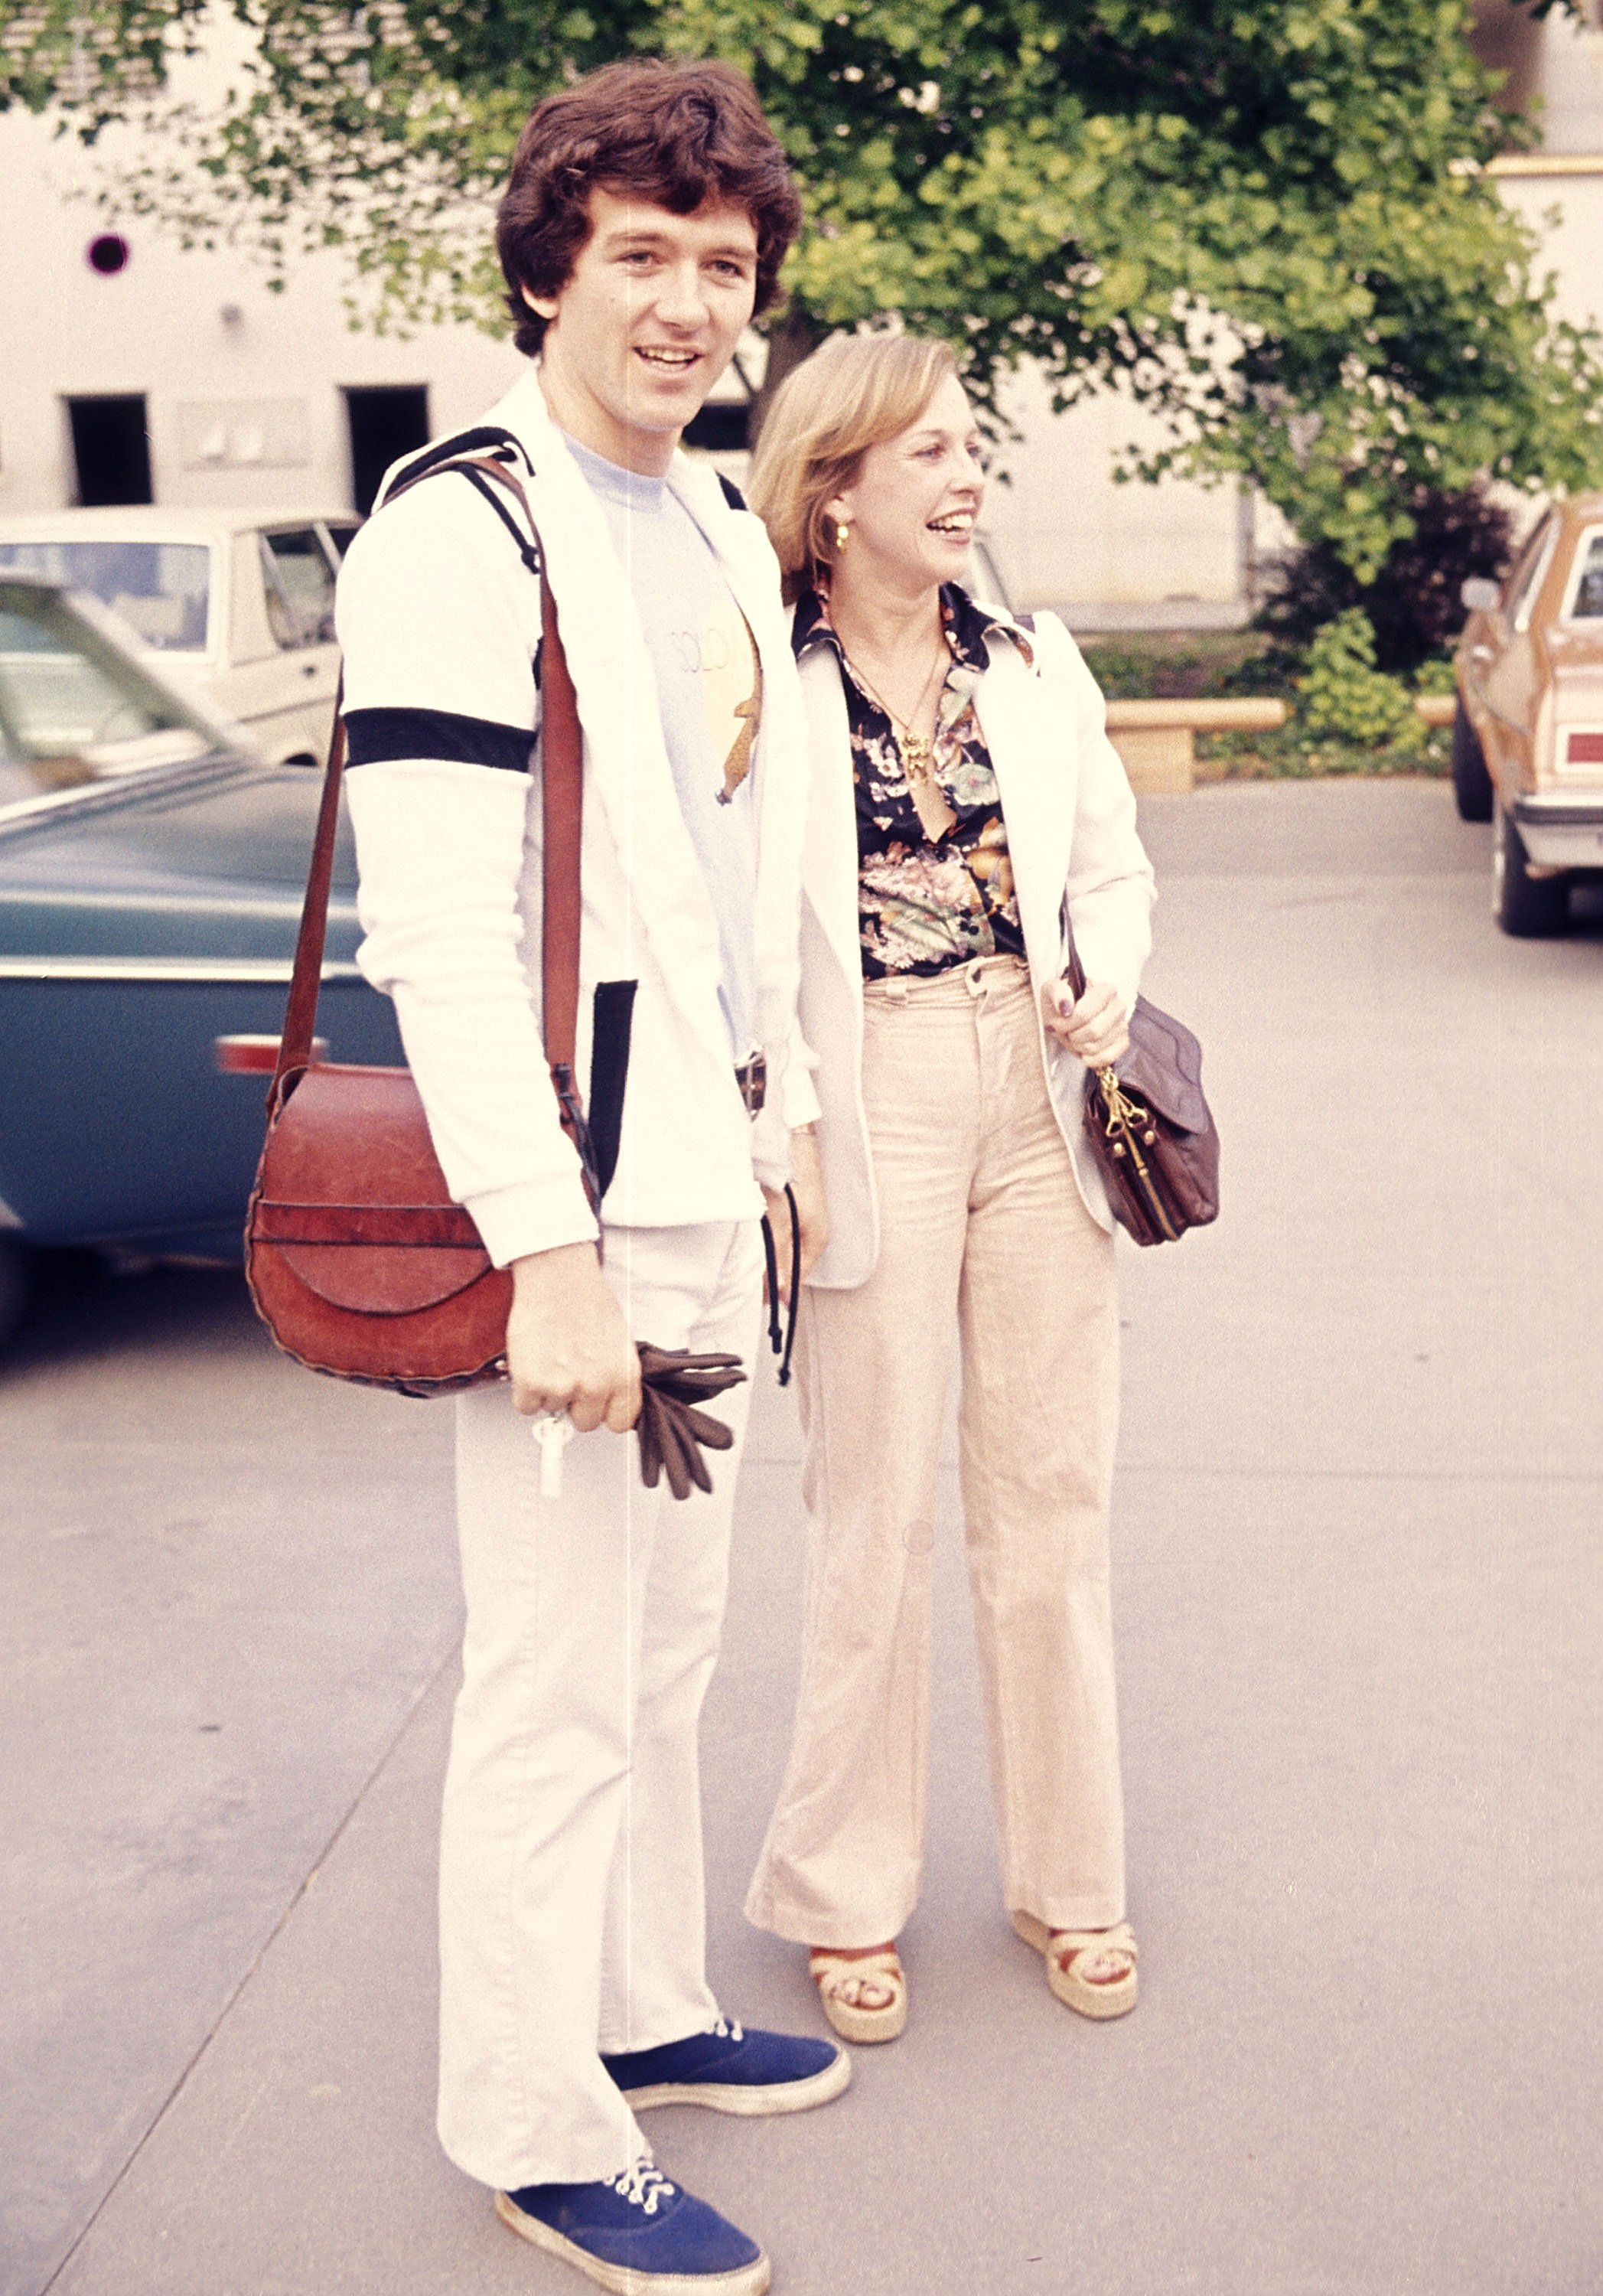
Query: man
x=647, y=214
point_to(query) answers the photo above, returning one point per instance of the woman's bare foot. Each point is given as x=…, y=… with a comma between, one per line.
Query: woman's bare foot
x=869, y=1991
x=1092, y=1965
x=863, y=1989
x=1093, y=1970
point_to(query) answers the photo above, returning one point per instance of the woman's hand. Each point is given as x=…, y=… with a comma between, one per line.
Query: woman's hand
x=812, y=1213
x=1095, y=1029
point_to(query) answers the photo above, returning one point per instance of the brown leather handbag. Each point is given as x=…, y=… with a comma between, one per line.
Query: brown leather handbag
x=358, y=1260
x=1148, y=1126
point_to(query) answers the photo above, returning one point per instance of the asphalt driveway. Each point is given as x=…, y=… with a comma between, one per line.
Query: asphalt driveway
x=1358, y=1587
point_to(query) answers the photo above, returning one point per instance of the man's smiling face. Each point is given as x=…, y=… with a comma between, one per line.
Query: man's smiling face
x=645, y=324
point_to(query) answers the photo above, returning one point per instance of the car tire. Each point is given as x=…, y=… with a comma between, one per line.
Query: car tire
x=16, y=1285
x=1471, y=783
x=1531, y=909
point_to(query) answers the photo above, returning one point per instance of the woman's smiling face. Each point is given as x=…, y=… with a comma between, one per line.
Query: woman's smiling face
x=912, y=507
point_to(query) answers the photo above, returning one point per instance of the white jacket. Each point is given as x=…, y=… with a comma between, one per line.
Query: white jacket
x=439, y=620
x=1071, y=829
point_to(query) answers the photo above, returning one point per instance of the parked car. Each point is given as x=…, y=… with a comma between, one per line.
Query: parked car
x=151, y=883
x=235, y=607
x=1527, y=734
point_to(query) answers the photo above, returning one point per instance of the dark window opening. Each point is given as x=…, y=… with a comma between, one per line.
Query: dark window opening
x=720, y=430
x=386, y=422
x=111, y=448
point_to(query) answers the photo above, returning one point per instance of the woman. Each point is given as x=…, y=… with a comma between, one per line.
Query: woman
x=965, y=801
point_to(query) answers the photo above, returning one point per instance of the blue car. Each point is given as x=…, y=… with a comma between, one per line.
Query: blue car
x=151, y=881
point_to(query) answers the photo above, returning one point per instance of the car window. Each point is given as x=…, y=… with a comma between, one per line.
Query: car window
x=340, y=532
x=160, y=589
x=300, y=587
x=1586, y=604
x=73, y=707
x=1529, y=573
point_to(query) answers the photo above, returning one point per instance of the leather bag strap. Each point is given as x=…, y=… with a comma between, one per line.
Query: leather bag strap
x=1073, y=971
x=300, y=1013
x=561, y=745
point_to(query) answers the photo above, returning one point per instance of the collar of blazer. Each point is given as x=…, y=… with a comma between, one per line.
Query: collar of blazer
x=1033, y=754
x=626, y=755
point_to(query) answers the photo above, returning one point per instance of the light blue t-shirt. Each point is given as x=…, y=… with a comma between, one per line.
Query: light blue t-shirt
x=709, y=687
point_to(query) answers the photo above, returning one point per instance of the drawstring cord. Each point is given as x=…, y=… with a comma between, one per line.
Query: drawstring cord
x=782, y=1340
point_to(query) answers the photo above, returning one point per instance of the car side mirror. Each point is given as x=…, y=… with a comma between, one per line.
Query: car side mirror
x=1480, y=595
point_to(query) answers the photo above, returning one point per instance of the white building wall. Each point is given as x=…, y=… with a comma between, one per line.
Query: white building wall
x=1562, y=204
x=1568, y=90
x=1068, y=535
x=219, y=358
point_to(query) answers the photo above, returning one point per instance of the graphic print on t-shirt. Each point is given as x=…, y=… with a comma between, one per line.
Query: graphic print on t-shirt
x=708, y=693
x=725, y=655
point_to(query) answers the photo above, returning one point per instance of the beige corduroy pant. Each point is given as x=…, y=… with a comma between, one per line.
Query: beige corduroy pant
x=984, y=1233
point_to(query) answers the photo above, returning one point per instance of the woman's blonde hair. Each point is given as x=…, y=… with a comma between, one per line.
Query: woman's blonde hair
x=854, y=393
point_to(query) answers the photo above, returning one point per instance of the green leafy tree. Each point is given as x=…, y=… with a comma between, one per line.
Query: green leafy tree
x=1266, y=222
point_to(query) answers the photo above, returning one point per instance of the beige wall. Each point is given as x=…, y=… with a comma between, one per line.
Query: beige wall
x=1066, y=535
x=221, y=358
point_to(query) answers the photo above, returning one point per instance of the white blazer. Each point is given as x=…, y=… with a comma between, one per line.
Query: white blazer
x=439, y=620
x=1071, y=830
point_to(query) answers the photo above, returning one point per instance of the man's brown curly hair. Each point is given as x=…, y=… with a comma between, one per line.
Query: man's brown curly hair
x=675, y=135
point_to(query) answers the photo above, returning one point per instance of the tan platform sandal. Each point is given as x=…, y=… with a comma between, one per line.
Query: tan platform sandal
x=835, y=1973
x=1116, y=1997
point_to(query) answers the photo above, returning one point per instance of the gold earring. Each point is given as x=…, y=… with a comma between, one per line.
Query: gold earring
x=843, y=534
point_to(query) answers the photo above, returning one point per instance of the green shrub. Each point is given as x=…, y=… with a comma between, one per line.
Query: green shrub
x=1414, y=602
x=1345, y=697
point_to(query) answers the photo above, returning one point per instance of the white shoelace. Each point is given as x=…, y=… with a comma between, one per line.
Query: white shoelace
x=641, y=2186
x=728, y=2028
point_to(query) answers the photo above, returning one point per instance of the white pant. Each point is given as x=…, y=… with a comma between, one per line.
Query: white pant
x=572, y=1918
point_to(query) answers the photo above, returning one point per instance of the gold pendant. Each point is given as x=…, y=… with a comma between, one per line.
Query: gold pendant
x=918, y=756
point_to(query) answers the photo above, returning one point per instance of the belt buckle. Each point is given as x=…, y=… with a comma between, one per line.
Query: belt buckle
x=752, y=1077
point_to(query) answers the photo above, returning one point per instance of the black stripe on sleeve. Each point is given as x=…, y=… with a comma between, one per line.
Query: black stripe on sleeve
x=376, y=736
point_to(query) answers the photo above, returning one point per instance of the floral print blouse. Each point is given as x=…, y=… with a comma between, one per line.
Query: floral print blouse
x=924, y=905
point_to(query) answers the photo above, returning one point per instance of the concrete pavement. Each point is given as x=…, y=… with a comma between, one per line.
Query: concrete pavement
x=1357, y=1591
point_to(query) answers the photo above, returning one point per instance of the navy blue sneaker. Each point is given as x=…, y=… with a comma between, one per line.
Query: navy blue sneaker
x=734, y=2071
x=638, y=2235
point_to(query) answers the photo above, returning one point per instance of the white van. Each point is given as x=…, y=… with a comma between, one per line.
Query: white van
x=237, y=606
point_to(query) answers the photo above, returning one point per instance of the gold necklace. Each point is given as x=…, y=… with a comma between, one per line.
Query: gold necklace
x=916, y=751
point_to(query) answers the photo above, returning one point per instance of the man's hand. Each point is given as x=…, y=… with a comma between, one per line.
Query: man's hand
x=1095, y=1029
x=812, y=1211
x=568, y=1347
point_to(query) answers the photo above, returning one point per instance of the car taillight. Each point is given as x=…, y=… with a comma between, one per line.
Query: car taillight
x=1583, y=745
x=256, y=1055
